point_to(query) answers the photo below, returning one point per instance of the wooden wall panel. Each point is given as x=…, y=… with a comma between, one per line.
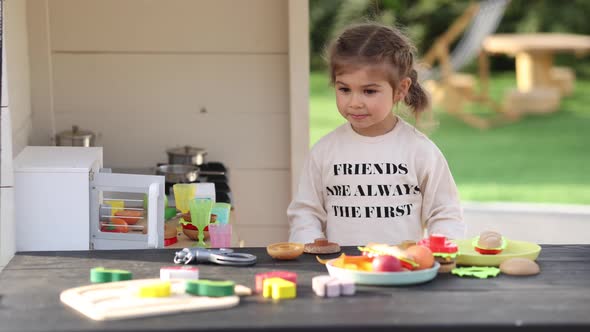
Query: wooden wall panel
x=41, y=76
x=141, y=140
x=170, y=84
x=148, y=103
x=261, y=196
x=261, y=235
x=169, y=26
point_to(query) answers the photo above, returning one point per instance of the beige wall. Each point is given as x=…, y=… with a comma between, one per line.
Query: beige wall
x=15, y=117
x=151, y=75
x=17, y=60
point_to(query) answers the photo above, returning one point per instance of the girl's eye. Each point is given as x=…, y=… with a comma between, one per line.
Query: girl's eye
x=342, y=89
x=370, y=91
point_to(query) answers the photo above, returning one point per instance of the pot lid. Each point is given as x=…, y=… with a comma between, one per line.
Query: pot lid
x=76, y=133
x=176, y=168
x=186, y=151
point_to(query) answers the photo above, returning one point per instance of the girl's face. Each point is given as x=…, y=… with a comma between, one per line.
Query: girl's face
x=365, y=98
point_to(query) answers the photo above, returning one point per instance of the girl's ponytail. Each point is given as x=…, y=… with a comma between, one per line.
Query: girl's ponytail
x=416, y=99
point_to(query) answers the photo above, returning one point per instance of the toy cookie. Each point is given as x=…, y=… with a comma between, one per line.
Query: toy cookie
x=321, y=246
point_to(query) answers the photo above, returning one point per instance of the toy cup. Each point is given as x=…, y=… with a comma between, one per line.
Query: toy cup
x=200, y=209
x=183, y=193
x=220, y=235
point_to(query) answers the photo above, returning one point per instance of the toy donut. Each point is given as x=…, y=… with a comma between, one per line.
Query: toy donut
x=285, y=250
x=321, y=246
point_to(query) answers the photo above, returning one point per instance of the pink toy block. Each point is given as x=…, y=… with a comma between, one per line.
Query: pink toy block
x=286, y=275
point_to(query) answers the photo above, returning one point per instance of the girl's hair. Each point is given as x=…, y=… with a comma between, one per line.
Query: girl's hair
x=375, y=44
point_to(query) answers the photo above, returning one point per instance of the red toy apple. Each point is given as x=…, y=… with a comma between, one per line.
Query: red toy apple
x=386, y=263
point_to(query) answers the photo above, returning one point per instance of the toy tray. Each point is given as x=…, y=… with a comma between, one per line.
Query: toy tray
x=114, y=300
x=383, y=278
x=468, y=255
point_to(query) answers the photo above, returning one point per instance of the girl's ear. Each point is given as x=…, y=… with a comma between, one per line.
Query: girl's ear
x=402, y=89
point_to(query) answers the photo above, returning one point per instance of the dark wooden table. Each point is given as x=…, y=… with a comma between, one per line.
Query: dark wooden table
x=557, y=298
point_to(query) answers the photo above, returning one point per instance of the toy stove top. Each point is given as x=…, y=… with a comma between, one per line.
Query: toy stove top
x=222, y=189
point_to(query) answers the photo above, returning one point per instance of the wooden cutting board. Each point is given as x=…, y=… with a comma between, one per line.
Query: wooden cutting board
x=117, y=300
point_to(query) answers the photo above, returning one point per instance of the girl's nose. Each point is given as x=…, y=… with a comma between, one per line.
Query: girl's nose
x=356, y=100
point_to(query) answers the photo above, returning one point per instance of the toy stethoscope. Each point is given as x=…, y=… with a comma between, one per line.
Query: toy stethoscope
x=220, y=256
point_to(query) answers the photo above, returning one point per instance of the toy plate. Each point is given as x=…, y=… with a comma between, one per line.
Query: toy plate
x=384, y=278
x=521, y=249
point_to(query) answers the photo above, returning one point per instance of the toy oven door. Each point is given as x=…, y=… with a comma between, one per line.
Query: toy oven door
x=126, y=211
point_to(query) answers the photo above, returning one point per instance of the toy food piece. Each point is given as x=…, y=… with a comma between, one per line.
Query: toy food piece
x=386, y=263
x=447, y=264
x=192, y=232
x=328, y=286
x=285, y=250
x=421, y=255
x=373, y=250
x=210, y=288
x=286, y=275
x=489, y=243
x=444, y=251
x=321, y=246
x=481, y=272
x=406, y=244
x=325, y=286
x=179, y=272
x=116, y=225
x=158, y=289
x=131, y=217
x=277, y=289
x=242, y=290
x=170, y=233
x=360, y=263
x=100, y=275
x=169, y=212
x=519, y=267
x=489, y=239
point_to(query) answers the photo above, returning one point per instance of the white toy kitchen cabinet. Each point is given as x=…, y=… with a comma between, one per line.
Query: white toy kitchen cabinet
x=64, y=200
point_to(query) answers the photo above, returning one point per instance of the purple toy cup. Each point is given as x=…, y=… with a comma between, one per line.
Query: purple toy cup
x=220, y=235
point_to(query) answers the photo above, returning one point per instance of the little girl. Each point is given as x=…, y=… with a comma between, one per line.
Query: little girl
x=375, y=178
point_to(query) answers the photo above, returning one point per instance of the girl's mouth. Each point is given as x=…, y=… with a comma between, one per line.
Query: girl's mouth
x=358, y=116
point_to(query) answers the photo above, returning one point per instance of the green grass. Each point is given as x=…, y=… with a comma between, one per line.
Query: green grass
x=541, y=158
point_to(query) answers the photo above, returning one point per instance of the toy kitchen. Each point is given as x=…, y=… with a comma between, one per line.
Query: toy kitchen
x=66, y=200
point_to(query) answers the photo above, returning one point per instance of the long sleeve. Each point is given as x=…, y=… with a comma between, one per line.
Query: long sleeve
x=306, y=213
x=441, y=206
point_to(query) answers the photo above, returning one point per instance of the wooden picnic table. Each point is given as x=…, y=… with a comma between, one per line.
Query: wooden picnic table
x=557, y=299
x=534, y=54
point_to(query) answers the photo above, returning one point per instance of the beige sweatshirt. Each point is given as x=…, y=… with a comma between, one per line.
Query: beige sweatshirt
x=356, y=189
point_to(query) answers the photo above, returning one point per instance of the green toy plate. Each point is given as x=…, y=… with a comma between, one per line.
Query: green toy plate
x=468, y=255
x=384, y=278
